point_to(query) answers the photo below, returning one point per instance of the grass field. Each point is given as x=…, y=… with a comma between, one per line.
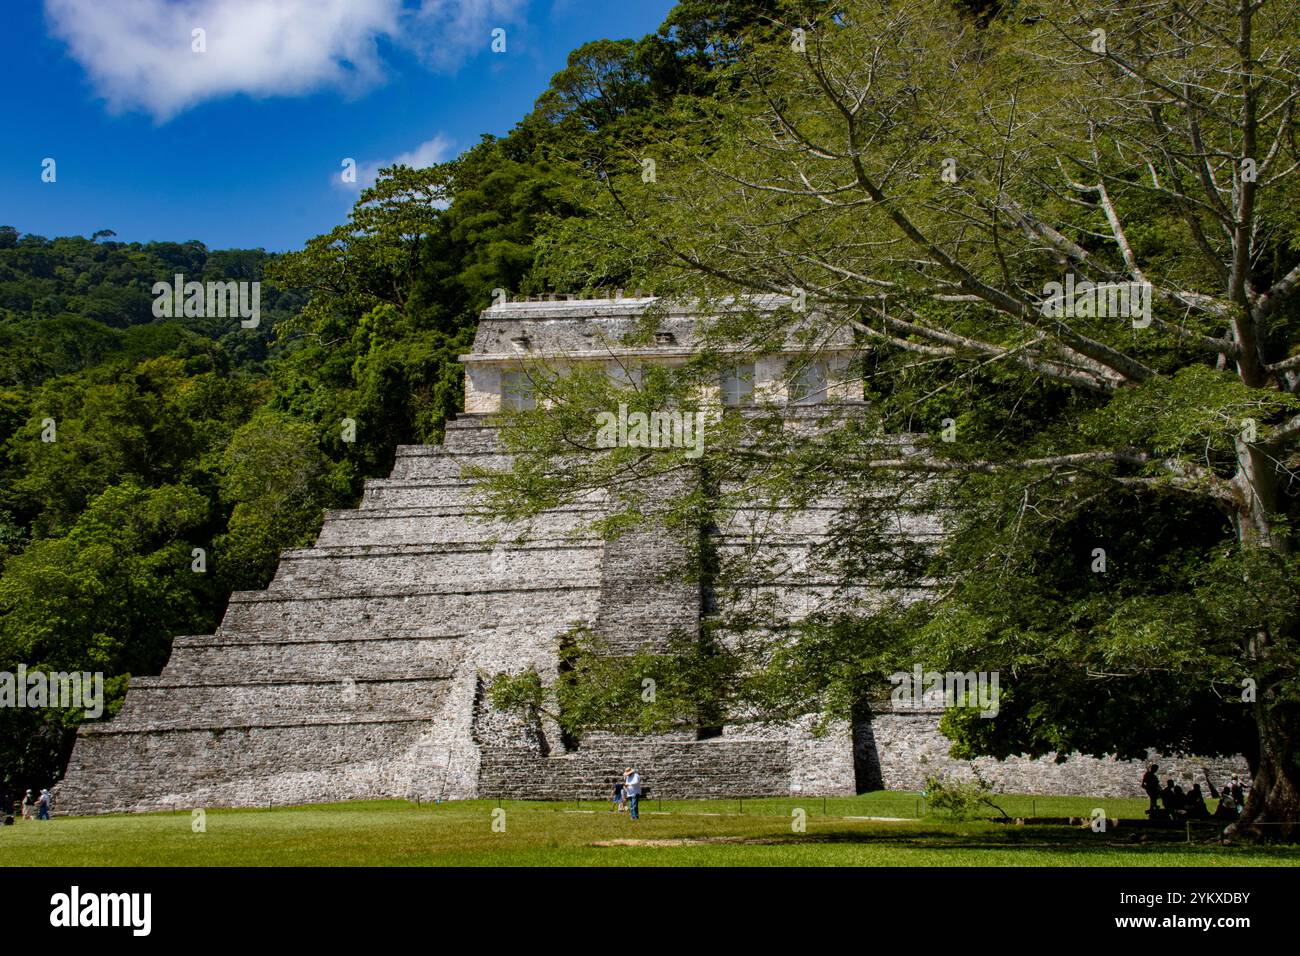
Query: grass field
x=678, y=833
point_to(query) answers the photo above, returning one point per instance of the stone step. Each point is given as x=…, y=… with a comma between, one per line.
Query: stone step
x=277, y=641
x=545, y=609
x=425, y=526
x=316, y=659
x=813, y=542
x=504, y=566
x=796, y=603
x=467, y=436
x=756, y=522
x=461, y=494
x=412, y=493
x=427, y=462
x=161, y=702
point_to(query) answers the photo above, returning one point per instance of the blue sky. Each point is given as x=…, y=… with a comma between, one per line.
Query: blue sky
x=241, y=144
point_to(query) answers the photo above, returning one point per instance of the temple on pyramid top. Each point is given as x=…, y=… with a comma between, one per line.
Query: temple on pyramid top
x=517, y=337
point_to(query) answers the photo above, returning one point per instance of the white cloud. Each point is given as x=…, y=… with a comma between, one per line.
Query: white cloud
x=138, y=53
x=429, y=153
x=446, y=32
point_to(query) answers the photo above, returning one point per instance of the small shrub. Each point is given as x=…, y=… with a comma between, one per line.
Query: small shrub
x=959, y=799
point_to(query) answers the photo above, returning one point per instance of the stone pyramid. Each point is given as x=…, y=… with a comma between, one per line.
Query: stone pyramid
x=362, y=670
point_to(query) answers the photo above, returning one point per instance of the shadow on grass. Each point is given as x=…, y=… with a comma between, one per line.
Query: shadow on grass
x=1082, y=842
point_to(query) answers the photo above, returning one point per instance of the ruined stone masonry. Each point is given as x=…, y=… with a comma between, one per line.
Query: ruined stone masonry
x=359, y=672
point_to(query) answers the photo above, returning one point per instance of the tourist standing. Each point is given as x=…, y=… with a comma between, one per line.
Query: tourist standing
x=632, y=787
x=29, y=805
x=616, y=806
x=43, y=807
x=1151, y=784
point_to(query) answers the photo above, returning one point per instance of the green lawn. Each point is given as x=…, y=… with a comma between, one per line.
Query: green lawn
x=692, y=833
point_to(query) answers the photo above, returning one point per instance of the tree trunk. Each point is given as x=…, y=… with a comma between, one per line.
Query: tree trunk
x=1272, y=811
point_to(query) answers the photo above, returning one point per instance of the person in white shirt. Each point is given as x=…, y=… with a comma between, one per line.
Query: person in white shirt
x=632, y=790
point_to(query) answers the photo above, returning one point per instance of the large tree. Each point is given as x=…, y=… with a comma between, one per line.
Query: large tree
x=936, y=182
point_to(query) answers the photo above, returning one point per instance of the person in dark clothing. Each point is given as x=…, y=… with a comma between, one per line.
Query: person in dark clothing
x=1238, y=791
x=1195, y=804
x=1171, y=797
x=1227, y=808
x=617, y=804
x=1151, y=786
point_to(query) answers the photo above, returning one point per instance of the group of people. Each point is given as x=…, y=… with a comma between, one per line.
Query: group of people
x=627, y=794
x=32, y=807
x=1171, y=802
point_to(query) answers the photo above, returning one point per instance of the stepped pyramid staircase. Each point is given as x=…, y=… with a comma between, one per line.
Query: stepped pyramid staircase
x=359, y=672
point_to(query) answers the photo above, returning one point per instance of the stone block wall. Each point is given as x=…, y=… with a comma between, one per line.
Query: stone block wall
x=645, y=597
x=903, y=749
x=673, y=770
